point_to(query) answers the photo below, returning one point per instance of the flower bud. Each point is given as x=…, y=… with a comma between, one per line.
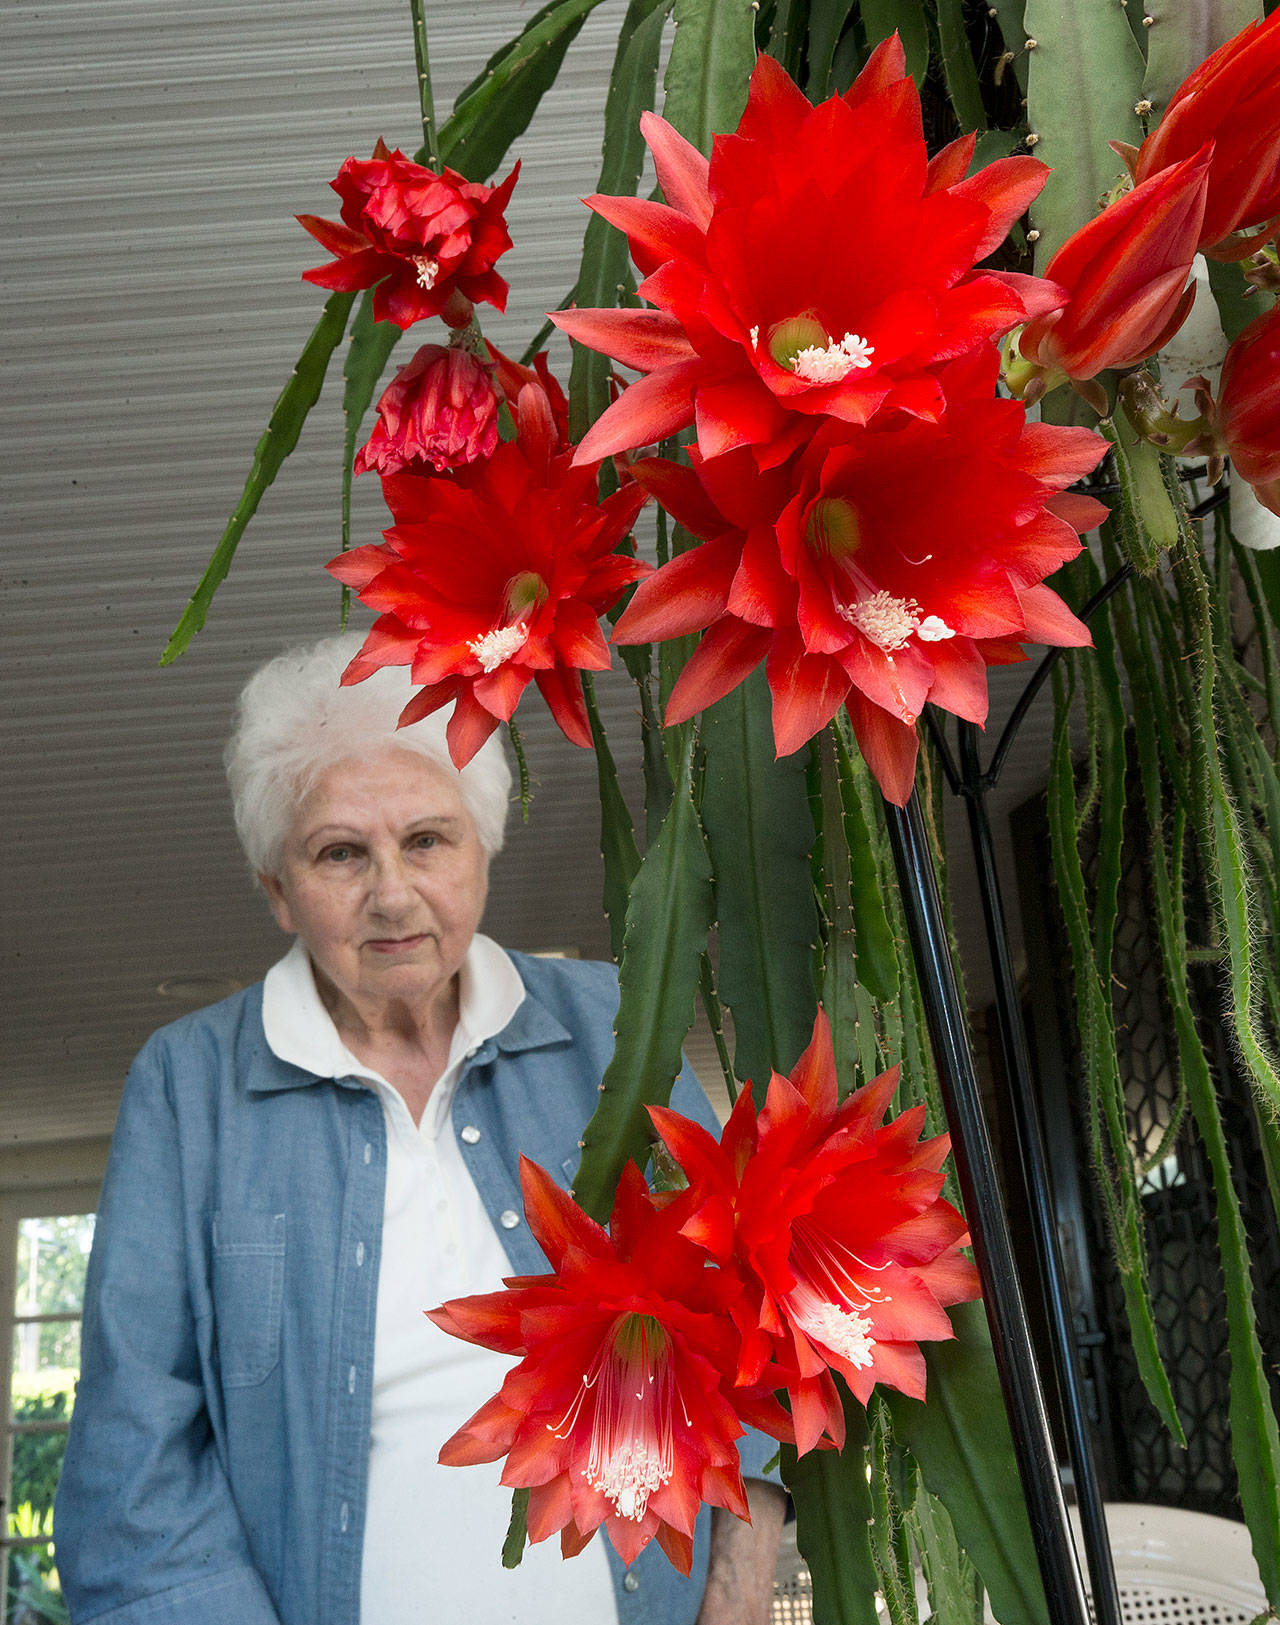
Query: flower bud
x=440, y=410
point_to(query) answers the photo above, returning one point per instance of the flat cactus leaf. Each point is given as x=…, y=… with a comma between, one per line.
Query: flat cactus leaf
x=1084, y=80
x=1179, y=37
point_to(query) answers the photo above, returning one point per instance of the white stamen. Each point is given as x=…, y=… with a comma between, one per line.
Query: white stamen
x=495, y=647
x=754, y=336
x=632, y=1451
x=886, y=621
x=428, y=270
x=828, y=1301
x=817, y=365
x=844, y=1331
x=933, y=629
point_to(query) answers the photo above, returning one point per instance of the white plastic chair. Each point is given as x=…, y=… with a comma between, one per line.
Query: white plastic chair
x=1173, y=1567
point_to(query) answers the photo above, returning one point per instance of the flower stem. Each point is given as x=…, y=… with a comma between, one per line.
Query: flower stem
x=517, y=745
x=417, y=9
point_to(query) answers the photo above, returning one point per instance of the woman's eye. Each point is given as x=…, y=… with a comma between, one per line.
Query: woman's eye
x=337, y=854
x=424, y=843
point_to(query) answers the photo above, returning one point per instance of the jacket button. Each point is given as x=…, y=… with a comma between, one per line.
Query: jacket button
x=508, y=1218
x=471, y=1134
x=631, y=1583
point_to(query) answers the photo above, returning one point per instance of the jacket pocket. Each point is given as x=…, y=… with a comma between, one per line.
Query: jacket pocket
x=248, y=1294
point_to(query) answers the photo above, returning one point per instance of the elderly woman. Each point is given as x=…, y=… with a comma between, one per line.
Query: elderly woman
x=297, y=1173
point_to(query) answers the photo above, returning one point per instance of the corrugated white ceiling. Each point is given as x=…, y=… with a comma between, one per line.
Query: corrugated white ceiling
x=156, y=151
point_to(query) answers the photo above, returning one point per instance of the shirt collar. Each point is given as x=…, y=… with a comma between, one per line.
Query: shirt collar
x=301, y=1032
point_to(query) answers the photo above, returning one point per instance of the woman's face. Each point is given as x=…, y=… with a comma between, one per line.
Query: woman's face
x=384, y=879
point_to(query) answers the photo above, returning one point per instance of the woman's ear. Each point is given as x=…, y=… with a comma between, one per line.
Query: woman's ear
x=279, y=903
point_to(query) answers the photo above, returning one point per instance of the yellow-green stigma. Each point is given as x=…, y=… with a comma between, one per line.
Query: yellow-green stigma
x=796, y=333
x=526, y=591
x=832, y=530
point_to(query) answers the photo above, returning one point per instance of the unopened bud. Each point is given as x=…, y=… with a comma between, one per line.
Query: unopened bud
x=1147, y=411
x=1262, y=270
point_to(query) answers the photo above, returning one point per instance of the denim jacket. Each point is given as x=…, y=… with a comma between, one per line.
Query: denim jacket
x=217, y=1459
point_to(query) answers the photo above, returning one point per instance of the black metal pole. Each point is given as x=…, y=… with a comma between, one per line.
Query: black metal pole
x=1039, y=1188
x=988, y=1223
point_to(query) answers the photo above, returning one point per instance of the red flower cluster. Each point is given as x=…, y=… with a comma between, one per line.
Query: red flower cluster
x=495, y=575
x=425, y=243
x=832, y=1251
x=500, y=561
x=877, y=525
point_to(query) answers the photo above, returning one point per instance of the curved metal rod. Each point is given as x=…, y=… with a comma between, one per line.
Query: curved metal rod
x=939, y=739
x=1041, y=673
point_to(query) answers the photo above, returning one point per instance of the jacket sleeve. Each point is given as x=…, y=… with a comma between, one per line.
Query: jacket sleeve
x=145, y=1526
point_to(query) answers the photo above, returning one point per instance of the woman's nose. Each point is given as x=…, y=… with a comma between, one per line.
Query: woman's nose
x=389, y=889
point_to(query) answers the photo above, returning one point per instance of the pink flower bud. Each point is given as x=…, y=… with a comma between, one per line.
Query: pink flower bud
x=441, y=409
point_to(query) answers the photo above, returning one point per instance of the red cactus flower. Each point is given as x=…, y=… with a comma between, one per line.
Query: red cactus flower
x=494, y=575
x=1247, y=415
x=820, y=265
x=422, y=241
x=1126, y=274
x=616, y=1413
x=878, y=569
x=847, y=1248
x=1233, y=100
x=441, y=410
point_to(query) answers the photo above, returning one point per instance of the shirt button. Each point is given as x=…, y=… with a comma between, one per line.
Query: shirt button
x=344, y=1519
x=368, y=1152
x=359, y=1252
x=351, y=1380
x=631, y=1583
x=508, y=1218
x=471, y=1134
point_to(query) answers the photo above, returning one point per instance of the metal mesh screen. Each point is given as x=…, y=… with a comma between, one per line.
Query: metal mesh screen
x=1178, y=1210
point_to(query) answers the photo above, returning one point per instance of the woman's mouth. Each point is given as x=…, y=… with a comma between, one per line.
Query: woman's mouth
x=395, y=945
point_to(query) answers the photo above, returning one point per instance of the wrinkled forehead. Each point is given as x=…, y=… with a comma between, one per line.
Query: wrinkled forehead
x=390, y=788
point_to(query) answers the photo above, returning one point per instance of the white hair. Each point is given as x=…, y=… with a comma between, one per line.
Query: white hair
x=295, y=719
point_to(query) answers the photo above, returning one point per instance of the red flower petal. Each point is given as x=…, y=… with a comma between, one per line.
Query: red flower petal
x=729, y=652
x=888, y=747
x=645, y=339
x=681, y=169
x=646, y=412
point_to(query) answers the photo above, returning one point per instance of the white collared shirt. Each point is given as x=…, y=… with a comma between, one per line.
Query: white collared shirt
x=433, y=1535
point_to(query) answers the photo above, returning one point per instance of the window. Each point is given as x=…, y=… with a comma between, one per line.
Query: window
x=45, y=1238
